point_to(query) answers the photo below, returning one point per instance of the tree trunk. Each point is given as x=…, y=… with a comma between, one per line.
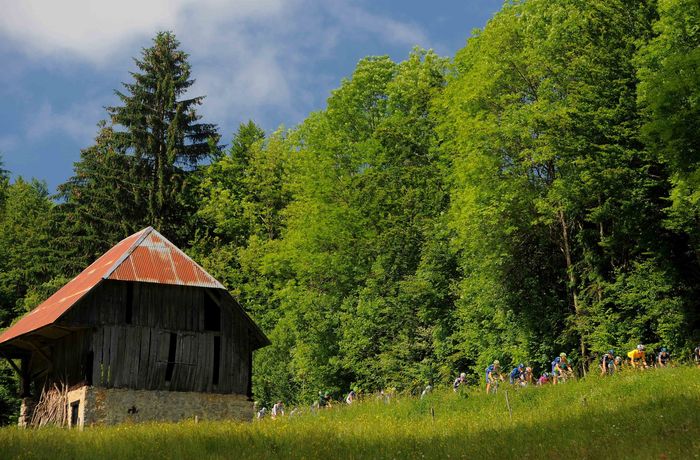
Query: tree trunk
x=571, y=275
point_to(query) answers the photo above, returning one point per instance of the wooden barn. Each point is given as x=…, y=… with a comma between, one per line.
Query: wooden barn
x=144, y=333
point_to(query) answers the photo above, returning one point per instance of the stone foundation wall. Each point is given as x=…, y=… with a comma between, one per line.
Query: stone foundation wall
x=102, y=406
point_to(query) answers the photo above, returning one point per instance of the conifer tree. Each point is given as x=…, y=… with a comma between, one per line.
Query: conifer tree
x=4, y=180
x=161, y=129
x=99, y=204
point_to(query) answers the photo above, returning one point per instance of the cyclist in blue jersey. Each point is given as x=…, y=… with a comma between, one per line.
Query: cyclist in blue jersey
x=663, y=358
x=562, y=369
x=516, y=375
x=607, y=363
x=553, y=374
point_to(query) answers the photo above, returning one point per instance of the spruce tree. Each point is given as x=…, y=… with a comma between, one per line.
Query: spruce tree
x=4, y=181
x=161, y=129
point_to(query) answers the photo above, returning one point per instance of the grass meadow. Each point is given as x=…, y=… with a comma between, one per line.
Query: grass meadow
x=652, y=414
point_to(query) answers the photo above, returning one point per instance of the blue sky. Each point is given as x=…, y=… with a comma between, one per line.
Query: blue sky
x=273, y=61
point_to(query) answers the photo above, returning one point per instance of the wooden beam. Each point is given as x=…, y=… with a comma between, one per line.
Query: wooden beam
x=23, y=373
x=41, y=352
x=40, y=373
x=213, y=297
x=12, y=363
x=70, y=329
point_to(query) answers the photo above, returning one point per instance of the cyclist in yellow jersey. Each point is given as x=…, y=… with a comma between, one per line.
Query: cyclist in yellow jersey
x=638, y=357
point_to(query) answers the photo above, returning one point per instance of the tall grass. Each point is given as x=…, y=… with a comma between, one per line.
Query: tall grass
x=652, y=414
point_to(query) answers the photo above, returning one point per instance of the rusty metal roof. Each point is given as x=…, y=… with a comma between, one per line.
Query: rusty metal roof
x=145, y=256
x=154, y=259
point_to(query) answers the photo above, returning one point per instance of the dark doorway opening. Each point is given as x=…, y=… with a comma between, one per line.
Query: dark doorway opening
x=74, y=411
x=212, y=315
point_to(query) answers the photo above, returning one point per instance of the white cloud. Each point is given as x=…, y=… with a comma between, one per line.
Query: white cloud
x=390, y=30
x=77, y=122
x=251, y=57
x=95, y=30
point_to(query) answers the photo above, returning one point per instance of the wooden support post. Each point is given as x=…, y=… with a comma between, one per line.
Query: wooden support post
x=249, y=388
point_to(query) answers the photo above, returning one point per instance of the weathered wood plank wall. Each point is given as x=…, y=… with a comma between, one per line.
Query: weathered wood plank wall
x=129, y=333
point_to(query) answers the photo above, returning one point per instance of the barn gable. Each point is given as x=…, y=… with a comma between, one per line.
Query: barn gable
x=145, y=257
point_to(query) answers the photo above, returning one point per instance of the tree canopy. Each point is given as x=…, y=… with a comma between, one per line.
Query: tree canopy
x=537, y=193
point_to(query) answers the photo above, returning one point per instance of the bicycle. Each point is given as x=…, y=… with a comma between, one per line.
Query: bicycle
x=564, y=376
x=493, y=389
x=609, y=368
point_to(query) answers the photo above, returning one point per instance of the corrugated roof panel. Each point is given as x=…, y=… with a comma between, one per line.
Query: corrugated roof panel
x=56, y=305
x=157, y=260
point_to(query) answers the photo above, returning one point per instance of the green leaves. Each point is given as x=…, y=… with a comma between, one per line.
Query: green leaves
x=537, y=194
x=27, y=256
x=436, y=218
x=552, y=192
x=669, y=94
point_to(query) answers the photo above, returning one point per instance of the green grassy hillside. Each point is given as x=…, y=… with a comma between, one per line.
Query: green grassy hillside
x=653, y=414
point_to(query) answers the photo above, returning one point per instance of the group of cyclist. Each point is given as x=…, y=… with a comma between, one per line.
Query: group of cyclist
x=521, y=375
x=562, y=370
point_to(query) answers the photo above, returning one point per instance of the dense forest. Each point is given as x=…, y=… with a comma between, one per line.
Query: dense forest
x=538, y=192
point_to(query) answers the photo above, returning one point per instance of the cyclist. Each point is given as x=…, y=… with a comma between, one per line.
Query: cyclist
x=618, y=363
x=493, y=373
x=663, y=358
x=278, y=409
x=527, y=376
x=351, y=397
x=324, y=400
x=638, y=357
x=696, y=355
x=554, y=368
x=516, y=375
x=607, y=363
x=562, y=370
x=544, y=379
x=459, y=381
